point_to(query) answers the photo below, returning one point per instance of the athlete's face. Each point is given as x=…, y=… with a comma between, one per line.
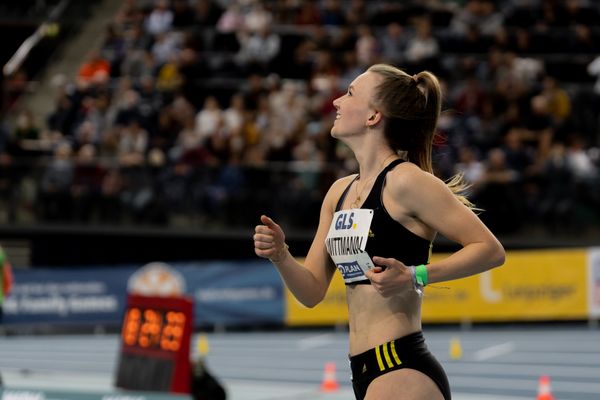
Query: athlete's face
x=353, y=108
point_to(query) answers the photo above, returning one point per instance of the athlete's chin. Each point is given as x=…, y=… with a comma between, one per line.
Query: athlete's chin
x=336, y=133
x=343, y=136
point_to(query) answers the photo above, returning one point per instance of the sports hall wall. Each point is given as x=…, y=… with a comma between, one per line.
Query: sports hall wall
x=560, y=284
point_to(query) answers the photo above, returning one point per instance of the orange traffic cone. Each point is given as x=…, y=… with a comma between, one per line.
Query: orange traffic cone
x=544, y=390
x=329, y=383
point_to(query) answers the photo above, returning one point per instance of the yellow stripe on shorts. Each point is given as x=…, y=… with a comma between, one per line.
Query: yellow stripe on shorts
x=379, y=360
x=387, y=356
x=394, y=354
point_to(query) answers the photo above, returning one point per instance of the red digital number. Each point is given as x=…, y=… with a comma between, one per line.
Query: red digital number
x=151, y=329
x=173, y=331
x=131, y=326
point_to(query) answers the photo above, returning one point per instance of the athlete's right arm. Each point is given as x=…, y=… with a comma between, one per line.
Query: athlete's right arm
x=309, y=281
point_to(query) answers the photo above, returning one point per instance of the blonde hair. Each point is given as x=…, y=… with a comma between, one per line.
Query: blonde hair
x=411, y=106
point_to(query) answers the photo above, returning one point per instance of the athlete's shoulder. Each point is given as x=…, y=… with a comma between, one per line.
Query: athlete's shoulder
x=343, y=182
x=337, y=189
x=409, y=177
x=406, y=171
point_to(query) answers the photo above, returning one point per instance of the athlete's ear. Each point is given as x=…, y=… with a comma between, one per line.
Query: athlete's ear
x=374, y=118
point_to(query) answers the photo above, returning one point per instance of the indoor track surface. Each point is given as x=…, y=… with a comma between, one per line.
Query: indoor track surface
x=483, y=363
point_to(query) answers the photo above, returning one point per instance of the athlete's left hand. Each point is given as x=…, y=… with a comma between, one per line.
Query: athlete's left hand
x=392, y=279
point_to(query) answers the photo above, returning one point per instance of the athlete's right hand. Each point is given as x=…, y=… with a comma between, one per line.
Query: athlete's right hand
x=269, y=240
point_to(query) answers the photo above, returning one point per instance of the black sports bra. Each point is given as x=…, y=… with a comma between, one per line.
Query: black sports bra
x=387, y=237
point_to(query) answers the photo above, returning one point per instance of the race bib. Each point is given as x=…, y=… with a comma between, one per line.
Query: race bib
x=347, y=240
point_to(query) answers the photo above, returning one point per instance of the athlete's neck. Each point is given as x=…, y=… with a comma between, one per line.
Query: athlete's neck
x=371, y=164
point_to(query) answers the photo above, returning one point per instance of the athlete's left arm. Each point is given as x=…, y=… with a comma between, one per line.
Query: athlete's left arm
x=430, y=201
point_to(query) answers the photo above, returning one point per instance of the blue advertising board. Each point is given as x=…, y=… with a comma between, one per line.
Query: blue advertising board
x=225, y=293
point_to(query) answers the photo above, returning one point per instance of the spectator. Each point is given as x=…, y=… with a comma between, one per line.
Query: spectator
x=135, y=38
x=130, y=14
x=55, y=186
x=6, y=282
x=160, y=19
x=557, y=100
x=515, y=76
x=127, y=107
x=497, y=193
x=26, y=128
x=479, y=13
x=474, y=41
x=87, y=133
x=539, y=129
x=308, y=13
x=87, y=183
x=357, y=13
x=579, y=161
x=111, y=207
x=258, y=49
x=258, y=18
x=235, y=114
x=181, y=109
x=289, y=106
x=113, y=48
x=169, y=79
x=133, y=144
x=471, y=98
x=62, y=118
x=332, y=13
x=189, y=145
x=28, y=139
x=518, y=157
x=423, y=47
x=166, y=46
x=393, y=44
x=9, y=180
x=469, y=166
x=140, y=63
x=208, y=118
x=593, y=69
x=15, y=86
x=367, y=46
x=94, y=67
x=163, y=137
x=151, y=100
x=556, y=201
x=232, y=20
x=583, y=41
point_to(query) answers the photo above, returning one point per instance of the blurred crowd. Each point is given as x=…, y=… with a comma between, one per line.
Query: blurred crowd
x=222, y=109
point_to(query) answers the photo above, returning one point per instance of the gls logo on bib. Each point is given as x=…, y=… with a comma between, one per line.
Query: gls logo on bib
x=344, y=220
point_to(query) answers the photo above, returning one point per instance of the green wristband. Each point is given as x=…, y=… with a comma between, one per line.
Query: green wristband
x=421, y=275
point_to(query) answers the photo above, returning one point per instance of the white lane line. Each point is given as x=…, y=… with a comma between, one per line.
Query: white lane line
x=315, y=341
x=494, y=351
x=523, y=370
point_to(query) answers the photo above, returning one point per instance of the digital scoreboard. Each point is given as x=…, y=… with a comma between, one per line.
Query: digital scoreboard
x=155, y=344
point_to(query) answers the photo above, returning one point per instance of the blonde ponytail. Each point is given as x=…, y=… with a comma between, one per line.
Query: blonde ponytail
x=411, y=106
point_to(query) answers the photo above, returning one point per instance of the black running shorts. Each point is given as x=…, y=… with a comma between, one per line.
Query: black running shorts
x=407, y=352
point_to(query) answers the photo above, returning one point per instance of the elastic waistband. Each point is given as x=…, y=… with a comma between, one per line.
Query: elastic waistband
x=389, y=355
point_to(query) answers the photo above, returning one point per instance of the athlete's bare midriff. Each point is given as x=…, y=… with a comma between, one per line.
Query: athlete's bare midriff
x=375, y=319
